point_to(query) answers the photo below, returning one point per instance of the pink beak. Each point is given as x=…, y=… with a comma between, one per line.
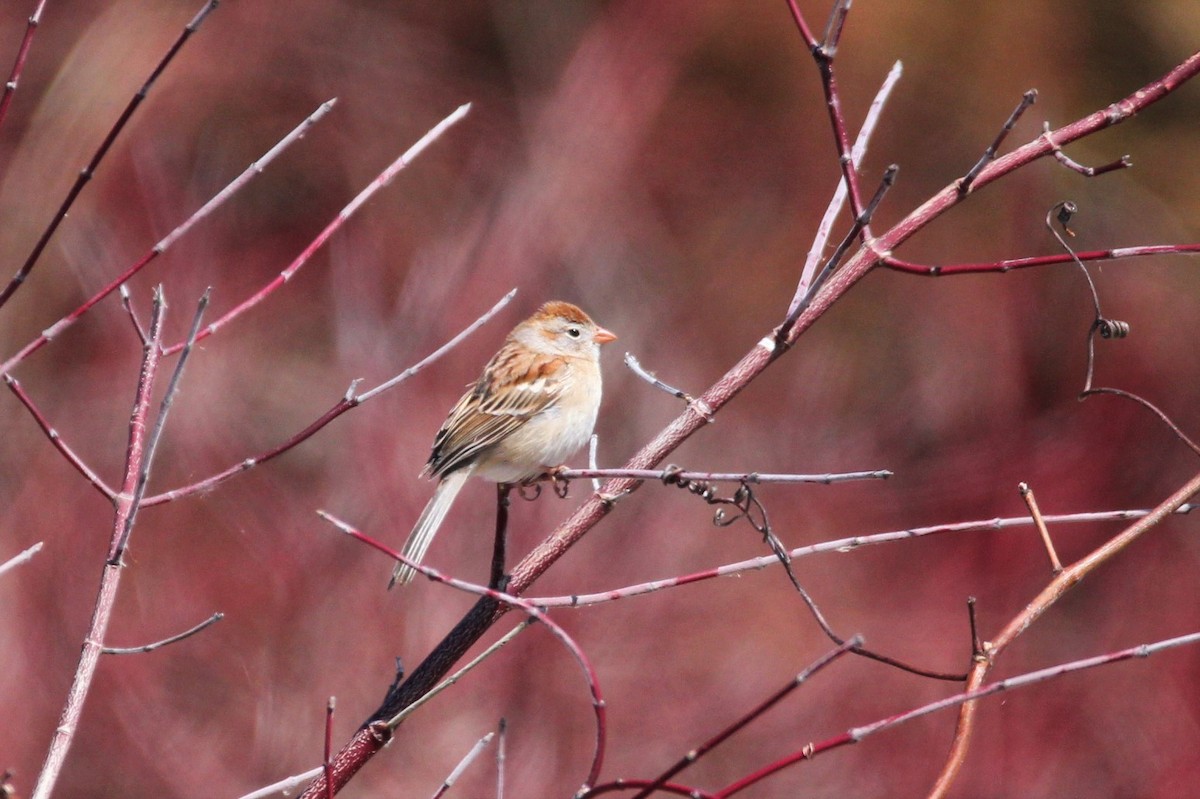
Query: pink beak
x=604, y=336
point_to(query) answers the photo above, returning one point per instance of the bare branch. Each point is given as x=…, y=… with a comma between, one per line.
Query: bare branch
x=467, y=760
x=1059, y=586
x=21, y=558
x=1027, y=99
x=67, y=452
x=90, y=169
x=838, y=201
x=966, y=699
x=237, y=183
x=757, y=711
x=14, y=77
x=1118, y=253
x=674, y=474
x=513, y=601
x=383, y=179
x=348, y=402
x=137, y=650
x=110, y=579
x=1031, y=503
x=1124, y=162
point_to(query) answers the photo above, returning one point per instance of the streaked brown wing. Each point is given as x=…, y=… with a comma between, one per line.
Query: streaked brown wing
x=515, y=385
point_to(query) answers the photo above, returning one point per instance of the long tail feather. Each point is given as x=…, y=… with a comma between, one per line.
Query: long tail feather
x=427, y=526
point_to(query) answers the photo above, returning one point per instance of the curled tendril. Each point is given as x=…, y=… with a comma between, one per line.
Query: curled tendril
x=1112, y=328
x=742, y=504
x=529, y=491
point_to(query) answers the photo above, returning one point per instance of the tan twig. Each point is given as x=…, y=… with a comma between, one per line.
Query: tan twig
x=1059, y=586
x=1031, y=503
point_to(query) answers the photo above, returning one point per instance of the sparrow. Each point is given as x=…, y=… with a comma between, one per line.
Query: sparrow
x=534, y=405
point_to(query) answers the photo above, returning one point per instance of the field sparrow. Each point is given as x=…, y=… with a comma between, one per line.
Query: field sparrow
x=532, y=407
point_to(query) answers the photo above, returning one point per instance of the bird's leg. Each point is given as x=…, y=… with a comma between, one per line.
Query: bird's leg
x=560, y=483
x=499, y=579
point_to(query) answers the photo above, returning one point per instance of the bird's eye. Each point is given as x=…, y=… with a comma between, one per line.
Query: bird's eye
x=574, y=332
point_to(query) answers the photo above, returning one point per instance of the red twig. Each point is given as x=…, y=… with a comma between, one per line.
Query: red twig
x=857, y=734
x=125, y=503
x=754, y=713
x=348, y=402
x=88, y=171
x=837, y=202
x=14, y=78
x=97, y=482
x=237, y=183
x=839, y=546
x=511, y=601
x=118, y=549
x=928, y=270
x=1040, y=147
x=823, y=54
x=378, y=183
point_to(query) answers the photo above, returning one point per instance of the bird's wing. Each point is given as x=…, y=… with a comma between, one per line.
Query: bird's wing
x=515, y=386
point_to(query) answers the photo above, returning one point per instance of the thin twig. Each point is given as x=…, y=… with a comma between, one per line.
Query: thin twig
x=20, y=558
x=284, y=786
x=160, y=423
x=1009, y=264
x=966, y=699
x=470, y=757
x=839, y=546
x=327, y=759
x=64, y=734
x=1106, y=328
x=1040, y=523
x=636, y=367
x=129, y=311
x=462, y=672
x=88, y=171
x=64, y=449
x=14, y=77
x=1060, y=585
x=1124, y=162
x=838, y=201
x=1027, y=99
x=137, y=650
x=383, y=179
x=757, y=711
x=1154, y=409
x=536, y=613
x=673, y=474
x=349, y=401
x=861, y=223
x=255, y=169
x=976, y=641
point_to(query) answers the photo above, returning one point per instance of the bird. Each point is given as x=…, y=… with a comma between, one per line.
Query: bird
x=533, y=406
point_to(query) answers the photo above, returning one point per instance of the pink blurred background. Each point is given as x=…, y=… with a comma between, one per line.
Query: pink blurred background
x=664, y=165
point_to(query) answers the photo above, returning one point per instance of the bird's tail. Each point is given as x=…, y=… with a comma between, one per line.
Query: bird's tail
x=427, y=526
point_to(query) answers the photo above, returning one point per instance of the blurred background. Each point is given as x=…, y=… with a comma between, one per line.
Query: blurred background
x=664, y=166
